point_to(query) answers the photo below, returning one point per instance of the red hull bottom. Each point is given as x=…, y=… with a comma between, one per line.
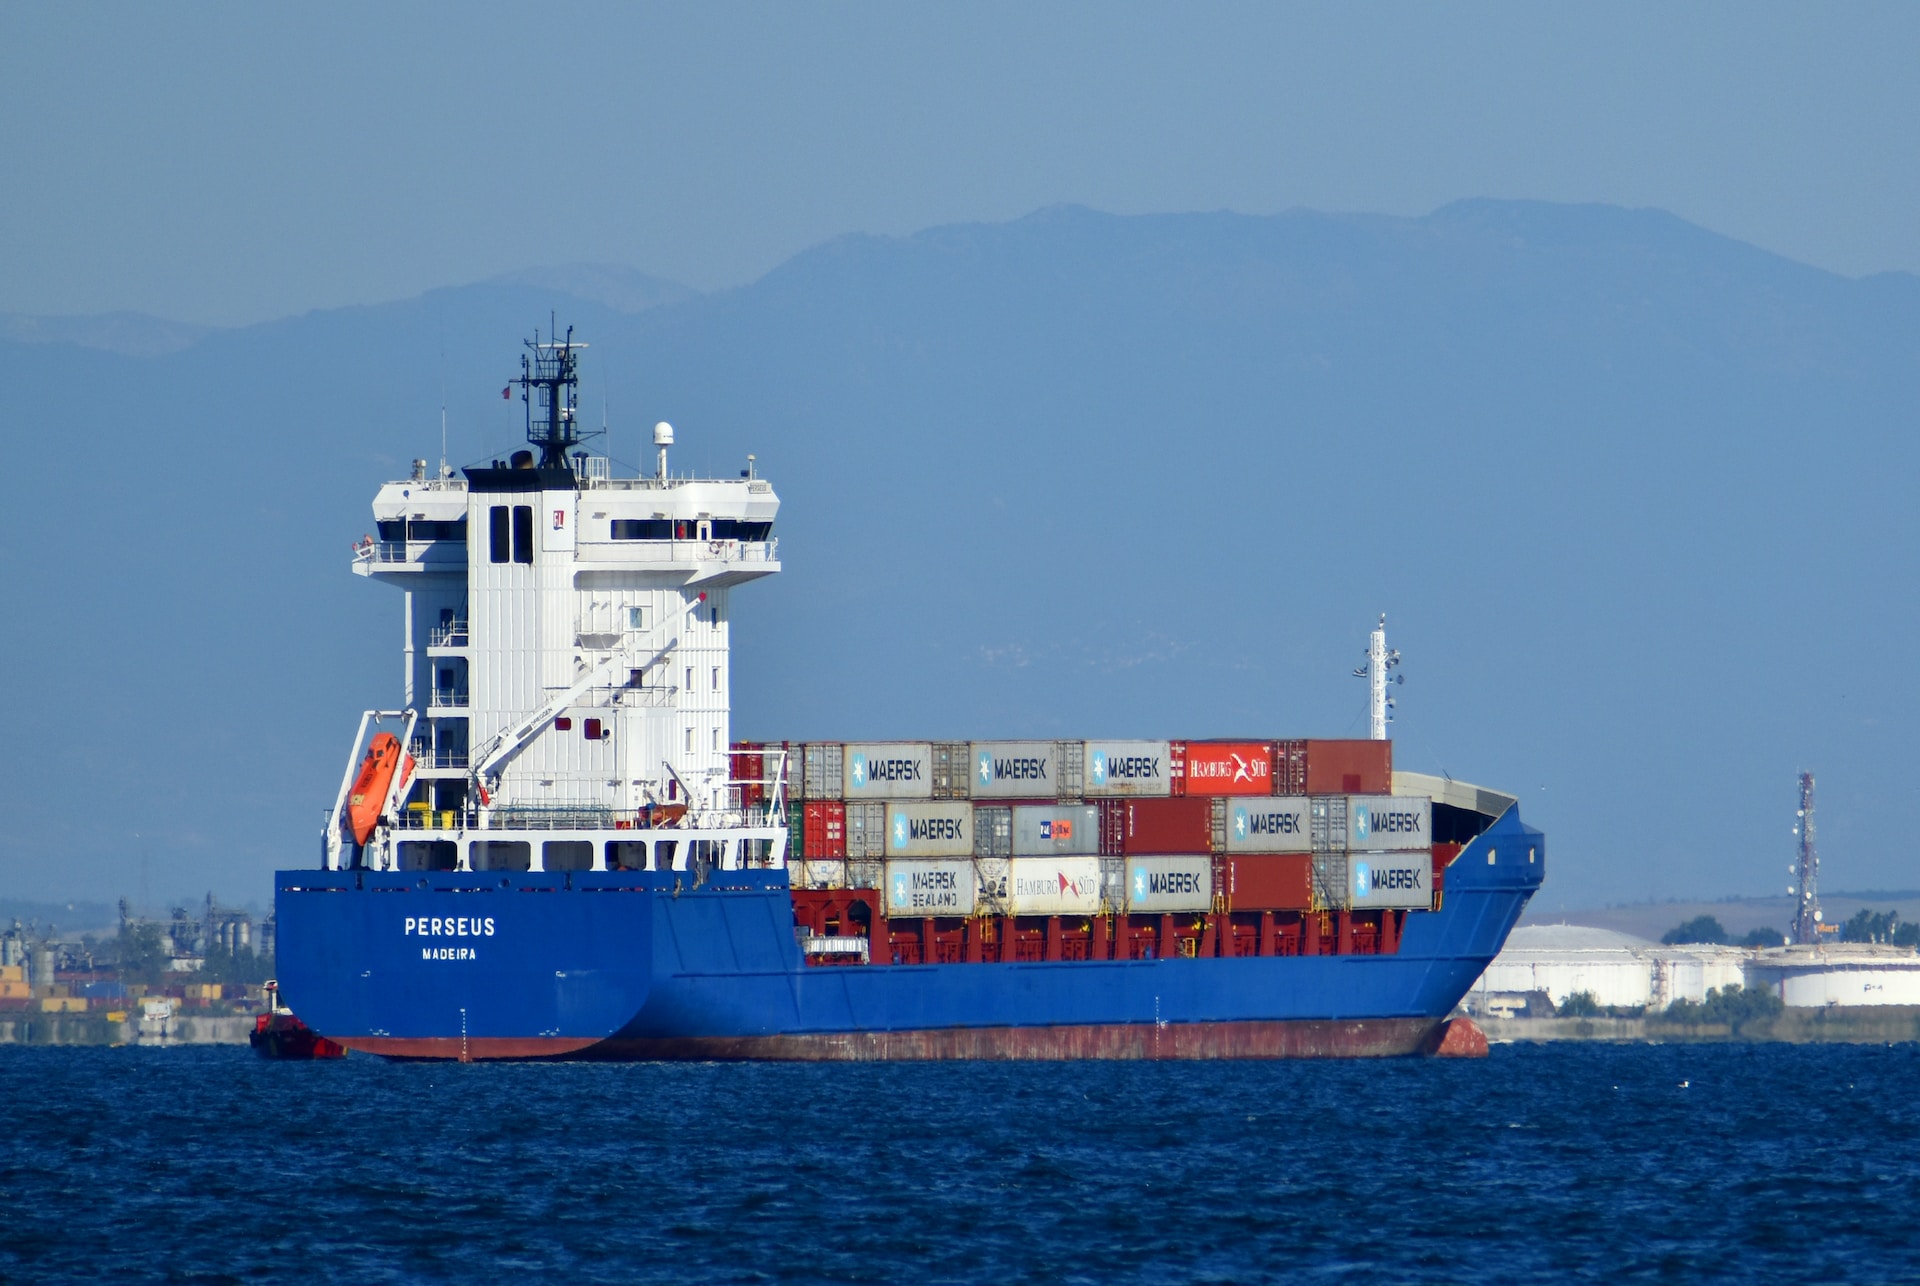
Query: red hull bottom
x=1318, y=1038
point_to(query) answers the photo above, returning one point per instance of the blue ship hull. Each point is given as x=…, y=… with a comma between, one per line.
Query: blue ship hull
x=640, y=965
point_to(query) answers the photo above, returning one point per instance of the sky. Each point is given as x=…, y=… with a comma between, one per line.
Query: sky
x=227, y=164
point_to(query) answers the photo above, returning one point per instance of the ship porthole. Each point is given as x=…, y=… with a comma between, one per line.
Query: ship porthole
x=1491, y=854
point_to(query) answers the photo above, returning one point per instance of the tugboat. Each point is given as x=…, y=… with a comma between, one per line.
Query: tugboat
x=278, y=1034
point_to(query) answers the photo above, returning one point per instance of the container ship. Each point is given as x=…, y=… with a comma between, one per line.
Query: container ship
x=553, y=848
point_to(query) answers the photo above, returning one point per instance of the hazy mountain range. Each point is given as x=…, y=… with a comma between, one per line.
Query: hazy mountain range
x=1637, y=499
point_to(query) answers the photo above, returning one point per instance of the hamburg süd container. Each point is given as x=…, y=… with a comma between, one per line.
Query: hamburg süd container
x=1276, y=824
x=1054, y=886
x=923, y=887
x=1128, y=768
x=1016, y=770
x=937, y=828
x=888, y=770
x=1165, y=825
x=1040, y=829
x=1400, y=881
x=1229, y=768
x=1169, y=883
x=1349, y=768
x=1389, y=823
x=1269, y=881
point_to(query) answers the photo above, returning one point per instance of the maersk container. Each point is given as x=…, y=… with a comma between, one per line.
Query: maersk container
x=889, y=770
x=925, y=888
x=867, y=829
x=1169, y=884
x=1016, y=770
x=992, y=830
x=1040, y=829
x=1269, y=881
x=937, y=828
x=1389, y=823
x=1115, y=768
x=1166, y=826
x=1349, y=768
x=1272, y=825
x=821, y=768
x=1229, y=768
x=1054, y=886
x=1400, y=881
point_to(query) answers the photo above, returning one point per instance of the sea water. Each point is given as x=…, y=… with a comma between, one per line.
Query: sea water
x=1578, y=1161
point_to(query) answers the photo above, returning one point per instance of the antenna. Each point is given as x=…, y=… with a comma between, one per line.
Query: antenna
x=663, y=438
x=1806, y=914
x=1378, y=672
x=553, y=369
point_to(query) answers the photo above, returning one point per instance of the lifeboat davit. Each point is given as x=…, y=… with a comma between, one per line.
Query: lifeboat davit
x=369, y=793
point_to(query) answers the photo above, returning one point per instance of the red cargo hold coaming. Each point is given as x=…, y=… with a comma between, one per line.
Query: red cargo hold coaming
x=1170, y=826
x=1349, y=768
x=1229, y=768
x=1269, y=881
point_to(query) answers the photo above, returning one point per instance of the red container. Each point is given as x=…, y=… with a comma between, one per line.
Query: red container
x=748, y=767
x=1289, y=767
x=1169, y=826
x=1229, y=768
x=1176, y=768
x=1349, y=768
x=823, y=829
x=1269, y=881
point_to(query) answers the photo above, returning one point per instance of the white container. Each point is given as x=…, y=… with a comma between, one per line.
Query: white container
x=1278, y=825
x=1164, y=885
x=1399, y=881
x=867, y=829
x=1053, y=886
x=938, y=828
x=923, y=888
x=1128, y=768
x=888, y=770
x=1016, y=770
x=1388, y=823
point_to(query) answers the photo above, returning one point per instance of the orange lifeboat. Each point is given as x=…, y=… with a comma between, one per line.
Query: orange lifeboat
x=369, y=793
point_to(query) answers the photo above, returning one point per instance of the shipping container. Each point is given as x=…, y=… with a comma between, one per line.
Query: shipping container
x=1328, y=826
x=936, y=828
x=1016, y=770
x=867, y=829
x=1229, y=768
x=1349, y=768
x=1054, y=886
x=1271, y=825
x=888, y=770
x=1290, y=768
x=1169, y=884
x=1269, y=881
x=1116, y=768
x=952, y=770
x=1402, y=881
x=748, y=767
x=823, y=829
x=1329, y=878
x=822, y=765
x=1389, y=823
x=926, y=888
x=991, y=876
x=1040, y=829
x=866, y=874
x=1166, y=826
x=992, y=830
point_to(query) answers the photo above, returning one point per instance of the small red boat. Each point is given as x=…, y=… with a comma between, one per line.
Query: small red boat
x=278, y=1034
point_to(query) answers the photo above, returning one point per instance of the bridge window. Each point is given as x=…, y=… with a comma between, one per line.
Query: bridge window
x=500, y=855
x=523, y=533
x=735, y=529
x=567, y=855
x=642, y=529
x=498, y=525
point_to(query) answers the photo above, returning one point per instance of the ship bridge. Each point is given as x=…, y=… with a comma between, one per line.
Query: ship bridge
x=566, y=631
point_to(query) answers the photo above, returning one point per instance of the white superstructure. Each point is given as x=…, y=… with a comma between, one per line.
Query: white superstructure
x=565, y=644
